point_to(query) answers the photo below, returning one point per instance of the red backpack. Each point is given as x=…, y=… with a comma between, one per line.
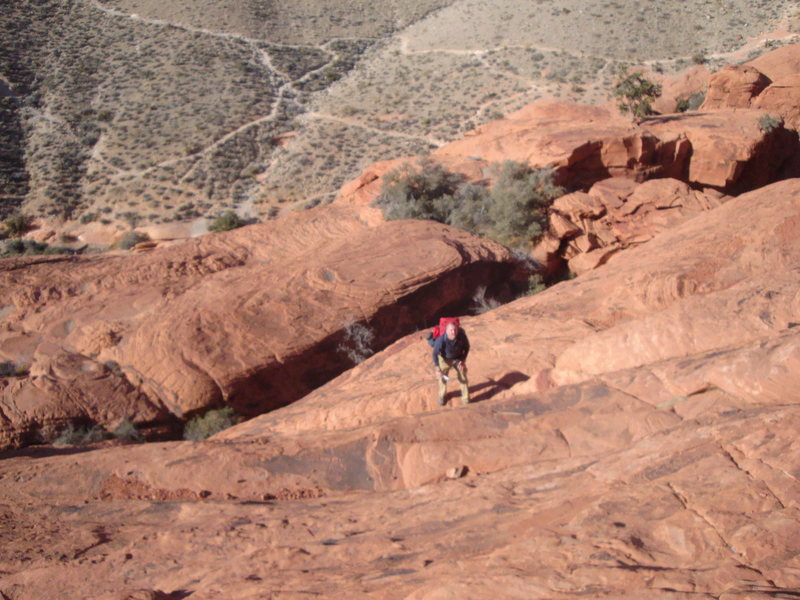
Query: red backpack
x=440, y=328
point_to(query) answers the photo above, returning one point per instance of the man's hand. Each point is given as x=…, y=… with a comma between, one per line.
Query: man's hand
x=462, y=366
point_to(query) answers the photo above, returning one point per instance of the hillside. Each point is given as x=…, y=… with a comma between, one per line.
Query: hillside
x=135, y=112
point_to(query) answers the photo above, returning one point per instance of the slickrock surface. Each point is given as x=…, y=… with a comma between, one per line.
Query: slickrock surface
x=252, y=318
x=633, y=436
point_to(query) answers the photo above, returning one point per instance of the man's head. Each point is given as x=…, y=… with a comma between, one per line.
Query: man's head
x=451, y=330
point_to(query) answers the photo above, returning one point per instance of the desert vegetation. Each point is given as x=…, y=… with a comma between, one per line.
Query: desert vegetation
x=144, y=107
x=213, y=421
x=225, y=221
x=513, y=211
x=635, y=93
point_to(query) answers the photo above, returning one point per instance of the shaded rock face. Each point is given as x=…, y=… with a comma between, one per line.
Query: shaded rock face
x=634, y=434
x=253, y=318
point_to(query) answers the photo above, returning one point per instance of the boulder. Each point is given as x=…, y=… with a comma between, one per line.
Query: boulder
x=734, y=86
x=779, y=63
x=253, y=318
x=782, y=98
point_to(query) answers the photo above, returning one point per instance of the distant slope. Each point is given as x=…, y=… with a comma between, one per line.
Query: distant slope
x=141, y=111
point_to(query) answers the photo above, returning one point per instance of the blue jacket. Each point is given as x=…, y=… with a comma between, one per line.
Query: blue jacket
x=456, y=349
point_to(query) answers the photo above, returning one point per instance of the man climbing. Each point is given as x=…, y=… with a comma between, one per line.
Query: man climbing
x=450, y=350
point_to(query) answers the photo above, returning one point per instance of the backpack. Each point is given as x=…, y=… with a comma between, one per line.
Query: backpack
x=440, y=328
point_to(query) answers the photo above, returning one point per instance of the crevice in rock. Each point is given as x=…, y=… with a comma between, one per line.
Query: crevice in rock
x=727, y=454
x=278, y=384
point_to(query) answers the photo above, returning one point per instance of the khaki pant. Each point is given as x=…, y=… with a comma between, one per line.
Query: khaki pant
x=445, y=365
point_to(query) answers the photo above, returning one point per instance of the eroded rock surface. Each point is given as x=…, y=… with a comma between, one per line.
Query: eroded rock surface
x=633, y=436
x=252, y=318
x=587, y=228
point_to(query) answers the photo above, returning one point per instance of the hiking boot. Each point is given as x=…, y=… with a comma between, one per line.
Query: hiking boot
x=465, y=401
x=441, y=401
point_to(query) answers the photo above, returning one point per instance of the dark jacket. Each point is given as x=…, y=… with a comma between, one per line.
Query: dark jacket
x=456, y=349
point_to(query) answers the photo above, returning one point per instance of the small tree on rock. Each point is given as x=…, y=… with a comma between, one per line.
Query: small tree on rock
x=635, y=93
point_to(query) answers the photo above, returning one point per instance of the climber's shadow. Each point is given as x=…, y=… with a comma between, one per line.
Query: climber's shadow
x=491, y=387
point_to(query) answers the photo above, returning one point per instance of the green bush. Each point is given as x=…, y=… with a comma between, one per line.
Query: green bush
x=225, y=221
x=131, y=238
x=513, y=211
x=423, y=193
x=214, y=421
x=520, y=198
x=635, y=93
x=17, y=224
x=126, y=430
x=536, y=284
x=80, y=436
x=19, y=247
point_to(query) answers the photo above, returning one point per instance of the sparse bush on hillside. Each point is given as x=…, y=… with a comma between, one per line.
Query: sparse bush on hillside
x=512, y=212
x=131, y=238
x=225, y=221
x=17, y=224
x=357, y=344
x=768, y=123
x=212, y=422
x=635, y=93
x=18, y=247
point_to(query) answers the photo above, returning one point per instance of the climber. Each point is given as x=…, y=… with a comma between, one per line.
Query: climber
x=450, y=350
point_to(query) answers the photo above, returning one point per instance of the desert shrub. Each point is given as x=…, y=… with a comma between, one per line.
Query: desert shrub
x=17, y=224
x=635, y=93
x=131, y=238
x=214, y=421
x=80, y=436
x=19, y=247
x=513, y=211
x=536, y=284
x=693, y=102
x=520, y=198
x=225, y=221
x=418, y=193
x=357, y=343
x=8, y=368
x=767, y=122
x=126, y=430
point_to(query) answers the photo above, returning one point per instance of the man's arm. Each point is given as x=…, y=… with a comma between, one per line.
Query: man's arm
x=437, y=350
